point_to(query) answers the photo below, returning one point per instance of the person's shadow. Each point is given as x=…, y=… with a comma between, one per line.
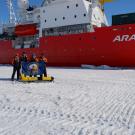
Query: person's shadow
x=5, y=79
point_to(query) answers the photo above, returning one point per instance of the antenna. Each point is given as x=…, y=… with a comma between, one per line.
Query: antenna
x=0, y=28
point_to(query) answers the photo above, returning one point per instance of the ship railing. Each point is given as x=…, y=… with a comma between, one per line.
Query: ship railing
x=28, y=22
x=8, y=25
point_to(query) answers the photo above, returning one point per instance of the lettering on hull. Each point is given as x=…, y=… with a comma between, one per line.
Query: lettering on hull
x=124, y=38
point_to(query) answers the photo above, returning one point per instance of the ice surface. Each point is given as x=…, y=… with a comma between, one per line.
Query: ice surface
x=79, y=102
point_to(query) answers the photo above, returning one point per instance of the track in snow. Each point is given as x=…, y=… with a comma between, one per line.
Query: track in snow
x=79, y=102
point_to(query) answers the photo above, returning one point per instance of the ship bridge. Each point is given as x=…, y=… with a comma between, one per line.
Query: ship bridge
x=71, y=16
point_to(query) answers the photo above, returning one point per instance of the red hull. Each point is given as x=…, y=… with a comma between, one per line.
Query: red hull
x=95, y=48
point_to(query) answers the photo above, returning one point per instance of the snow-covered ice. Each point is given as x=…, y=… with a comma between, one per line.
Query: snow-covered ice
x=79, y=102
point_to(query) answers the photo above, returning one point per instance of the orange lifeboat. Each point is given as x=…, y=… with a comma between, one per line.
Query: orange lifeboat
x=25, y=30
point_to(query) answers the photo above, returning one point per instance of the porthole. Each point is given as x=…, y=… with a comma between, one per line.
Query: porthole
x=67, y=6
x=75, y=16
x=77, y=5
x=45, y=20
x=55, y=19
x=84, y=15
x=63, y=18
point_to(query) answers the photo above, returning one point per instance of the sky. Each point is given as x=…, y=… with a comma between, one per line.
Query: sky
x=119, y=7
x=113, y=8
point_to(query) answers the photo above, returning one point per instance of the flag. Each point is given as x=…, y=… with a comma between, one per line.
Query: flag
x=33, y=68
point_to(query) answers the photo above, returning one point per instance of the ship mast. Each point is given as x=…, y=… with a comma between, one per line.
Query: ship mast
x=0, y=24
x=12, y=17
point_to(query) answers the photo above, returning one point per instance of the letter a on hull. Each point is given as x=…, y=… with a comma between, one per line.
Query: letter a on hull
x=132, y=37
x=117, y=38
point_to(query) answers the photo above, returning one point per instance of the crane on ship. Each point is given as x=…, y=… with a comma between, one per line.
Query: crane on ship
x=12, y=21
x=12, y=16
x=22, y=4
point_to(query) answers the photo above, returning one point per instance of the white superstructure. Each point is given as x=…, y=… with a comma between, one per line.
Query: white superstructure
x=58, y=13
x=59, y=17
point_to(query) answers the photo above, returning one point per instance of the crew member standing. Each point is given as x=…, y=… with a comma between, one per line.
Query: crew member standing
x=24, y=57
x=16, y=67
x=33, y=58
x=44, y=59
x=23, y=60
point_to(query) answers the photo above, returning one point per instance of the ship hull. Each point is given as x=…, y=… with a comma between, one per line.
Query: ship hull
x=112, y=46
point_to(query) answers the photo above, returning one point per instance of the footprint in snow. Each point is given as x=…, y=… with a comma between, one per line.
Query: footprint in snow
x=82, y=117
x=68, y=116
x=95, y=132
x=18, y=108
x=36, y=111
x=110, y=124
x=24, y=109
x=42, y=111
x=59, y=98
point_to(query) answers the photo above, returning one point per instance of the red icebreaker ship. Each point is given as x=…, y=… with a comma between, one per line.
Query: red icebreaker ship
x=69, y=33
